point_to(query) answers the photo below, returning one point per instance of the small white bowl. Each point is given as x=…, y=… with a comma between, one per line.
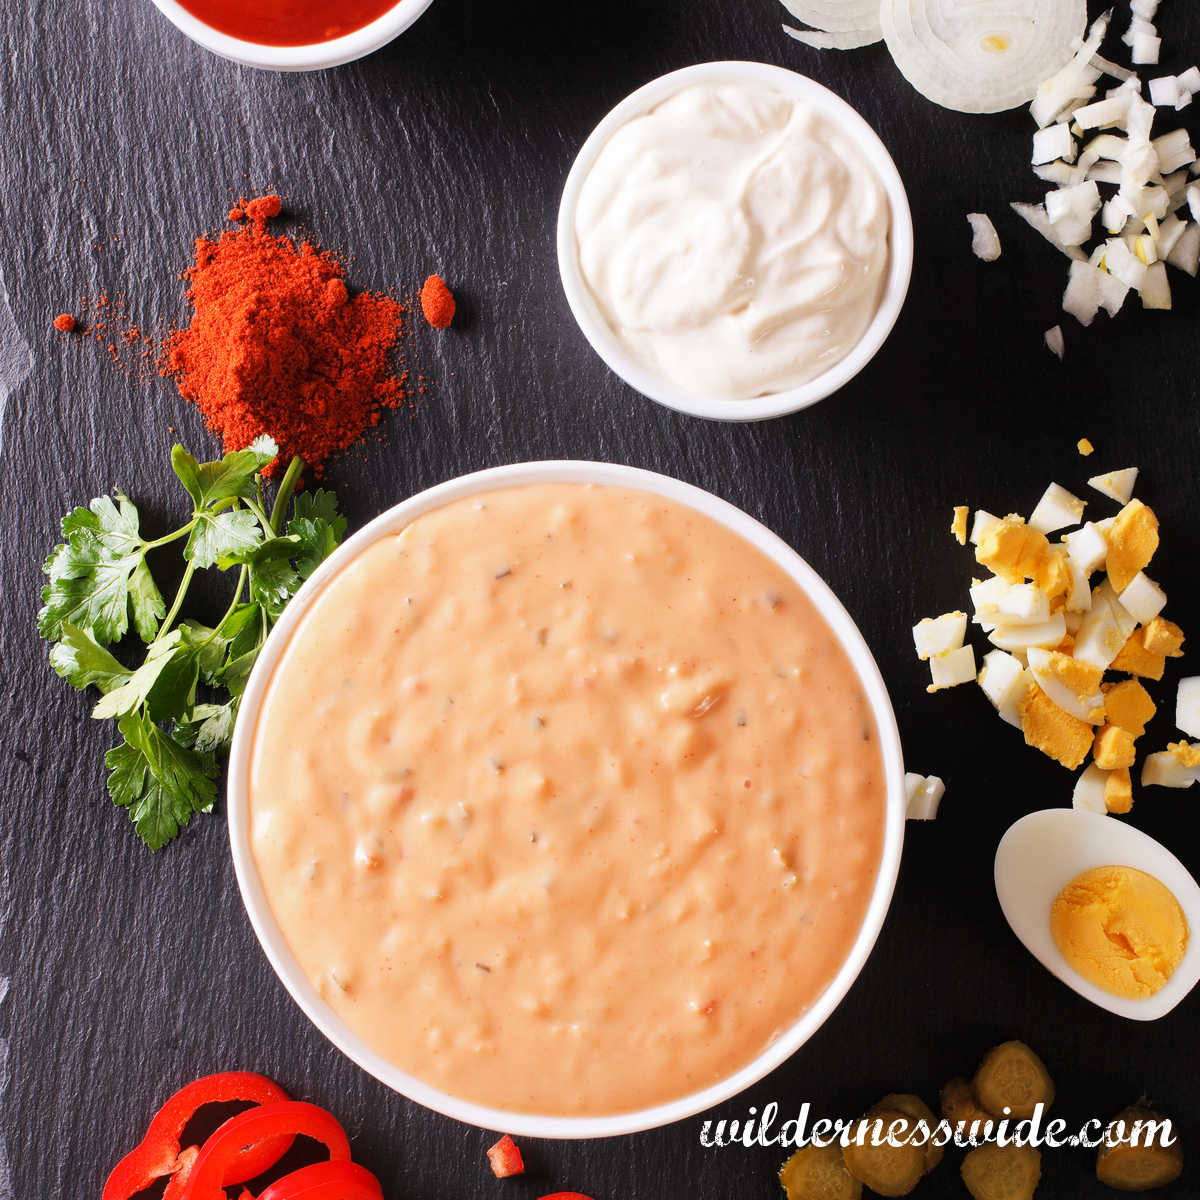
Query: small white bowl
x=600, y=333
x=306, y=995
x=313, y=57
x=1044, y=851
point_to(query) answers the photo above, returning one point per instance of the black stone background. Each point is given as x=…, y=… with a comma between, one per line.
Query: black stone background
x=131, y=972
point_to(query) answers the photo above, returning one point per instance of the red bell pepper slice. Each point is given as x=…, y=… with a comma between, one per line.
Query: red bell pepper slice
x=505, y=1157
x=326, y=1181
x=292, y=1118
x=566, y=1196
x=158, y=1153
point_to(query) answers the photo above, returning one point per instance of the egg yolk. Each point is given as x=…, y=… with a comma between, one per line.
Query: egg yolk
x=1121, y=929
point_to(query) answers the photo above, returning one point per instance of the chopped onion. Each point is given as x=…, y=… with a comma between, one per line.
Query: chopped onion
x=1145, y=49
x=1156, y=288
x=1164, y=91
x=820, y=40
x=1054, y=141
x=1075, y=83
x=1189, y=80
x=1036, y=216
x=1193, y=201
x=1147, y=10
x=1082, y=297
x=1185, y=254
x=1054, y=341
x=1174, y=150
x=986, y=56
x=1103, y=114
x=1071, y=210
x=838, y=16
x=1059, y=173
x=985, y=241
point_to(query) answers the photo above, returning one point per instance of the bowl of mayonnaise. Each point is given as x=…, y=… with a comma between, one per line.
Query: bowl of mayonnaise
x=735, y=241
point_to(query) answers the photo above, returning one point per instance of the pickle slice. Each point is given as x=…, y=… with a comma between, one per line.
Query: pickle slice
x=818, y=1173
x=1009, y=1172
x=1011, y=1076
x=1130, y=1168
x=889, y=1170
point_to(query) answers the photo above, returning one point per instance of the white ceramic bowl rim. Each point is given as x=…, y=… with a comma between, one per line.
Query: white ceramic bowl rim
x=600, y=334
x=313, y=57
x=306, y=995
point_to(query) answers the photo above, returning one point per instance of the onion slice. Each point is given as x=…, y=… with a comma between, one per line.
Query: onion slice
x=838, y=16
x=984, y=55
x=818, y=39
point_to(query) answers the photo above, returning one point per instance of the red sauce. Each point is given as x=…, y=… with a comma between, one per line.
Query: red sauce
x=287, y=22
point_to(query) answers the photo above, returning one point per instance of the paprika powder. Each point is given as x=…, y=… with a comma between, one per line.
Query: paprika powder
x=277, y=345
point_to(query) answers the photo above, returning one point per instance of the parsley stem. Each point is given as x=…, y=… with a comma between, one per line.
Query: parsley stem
x=169, y=538
x=177, y=603
x=287, y=485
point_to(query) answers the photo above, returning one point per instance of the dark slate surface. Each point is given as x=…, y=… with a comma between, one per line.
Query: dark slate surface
x=131, y=973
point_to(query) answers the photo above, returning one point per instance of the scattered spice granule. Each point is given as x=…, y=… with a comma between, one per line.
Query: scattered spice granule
x=276, y=344
x=437, y=302
x=64, y=323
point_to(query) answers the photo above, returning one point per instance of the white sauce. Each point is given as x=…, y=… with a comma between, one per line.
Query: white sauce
x=735, y=239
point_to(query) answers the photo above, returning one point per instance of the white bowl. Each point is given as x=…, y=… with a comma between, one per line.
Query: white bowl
x=600, y=333
x=313, y=57
x=306, y=995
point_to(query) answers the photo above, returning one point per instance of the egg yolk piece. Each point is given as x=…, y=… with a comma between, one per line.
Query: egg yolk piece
x=1121, y=929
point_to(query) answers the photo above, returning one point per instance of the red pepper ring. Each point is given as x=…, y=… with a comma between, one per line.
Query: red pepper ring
x=158, y=1153
x=326, y=1181
x=292, y=1118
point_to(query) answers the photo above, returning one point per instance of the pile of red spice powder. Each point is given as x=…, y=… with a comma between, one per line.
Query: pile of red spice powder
x=277, y=344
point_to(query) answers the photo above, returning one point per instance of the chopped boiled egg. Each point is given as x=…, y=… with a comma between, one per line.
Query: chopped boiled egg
x=1132, y=541
x=951, y=668
x=1089, y=790
x=1163, y=637
x=1165, y=770
x=1143, y=599
x=1021, y=637
x=1055, y=342
x=1135, y=659
x=1187, y=706
x=939, y=635
x=1105, y=628
x=1004, y=681
x=1117, y=485
x=1187, y=753
x=1113, y=748
x=1087, y=547
x=1073, y=685
x=1128, y=705
x=982, y=522
x=1011, y=549
x=958, y=524
x=1057, y=509
x=1063, y=737
x=924, y=793
x=1023, y=603
x=1084, y=447
x=1118, y=791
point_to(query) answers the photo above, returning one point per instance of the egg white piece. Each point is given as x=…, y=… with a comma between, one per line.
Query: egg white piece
x=1044, y=851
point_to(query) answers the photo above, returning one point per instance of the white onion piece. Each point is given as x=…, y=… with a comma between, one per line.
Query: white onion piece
x=1075, y=83
x=1082, y=297
x=838, y=16
x=1156, y=288
x=985, y=241
x=1124, y=74
x=818, y=39
x=1145, y=49
x=1035, y=215
x=1185, y=254
x=1055, y=342
x=985, y=56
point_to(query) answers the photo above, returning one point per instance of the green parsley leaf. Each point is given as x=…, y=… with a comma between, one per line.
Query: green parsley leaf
x=319, y=528
x=136, y=689
x=221, y=537
x=160, y=782
x=83, y=662
x=98, y=576
x=229, y=478
x=211, y=727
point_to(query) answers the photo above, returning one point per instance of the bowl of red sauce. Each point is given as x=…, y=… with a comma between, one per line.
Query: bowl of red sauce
x=292, y=35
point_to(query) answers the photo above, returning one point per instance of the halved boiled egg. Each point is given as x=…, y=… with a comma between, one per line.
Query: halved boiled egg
x=1045, y=851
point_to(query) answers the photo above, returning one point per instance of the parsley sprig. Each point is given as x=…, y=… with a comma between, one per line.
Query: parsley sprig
x=176, y=710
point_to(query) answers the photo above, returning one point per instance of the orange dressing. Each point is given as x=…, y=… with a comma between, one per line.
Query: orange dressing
x=567, y=799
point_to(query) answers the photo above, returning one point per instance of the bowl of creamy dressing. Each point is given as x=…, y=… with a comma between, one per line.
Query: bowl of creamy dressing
x=735, y=241
x=566, y=799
